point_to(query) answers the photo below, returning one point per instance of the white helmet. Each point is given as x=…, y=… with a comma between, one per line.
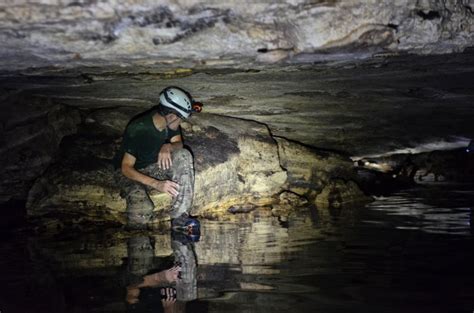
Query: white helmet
x=177, y=100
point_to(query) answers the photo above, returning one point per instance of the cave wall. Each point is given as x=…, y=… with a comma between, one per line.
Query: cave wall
x=72, y=32
x=32, y=130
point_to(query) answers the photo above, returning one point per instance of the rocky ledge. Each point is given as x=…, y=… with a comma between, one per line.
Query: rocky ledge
x=239, y=167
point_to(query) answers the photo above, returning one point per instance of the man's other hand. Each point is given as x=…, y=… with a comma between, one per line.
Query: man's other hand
x=167, y=186
x=132, y=294
x=164, y=156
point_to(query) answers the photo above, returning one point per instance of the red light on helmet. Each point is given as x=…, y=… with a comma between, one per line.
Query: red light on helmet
x=197, y=107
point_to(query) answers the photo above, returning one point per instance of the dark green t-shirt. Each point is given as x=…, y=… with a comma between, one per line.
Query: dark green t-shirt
x=142, y=140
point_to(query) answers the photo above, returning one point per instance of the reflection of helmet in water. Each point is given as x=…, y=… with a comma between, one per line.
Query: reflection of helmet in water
x=188, y=233
x=176, y=100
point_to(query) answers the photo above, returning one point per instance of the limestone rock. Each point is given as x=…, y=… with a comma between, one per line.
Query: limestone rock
x=111, y=122
x=453, y=165
x=105, y=32
x=339, y=193
x=245, y=208
x=236, y=163
x=288, y=203
x=32, y=131
x=325, y=178
x=309, y=171
x=292, y=199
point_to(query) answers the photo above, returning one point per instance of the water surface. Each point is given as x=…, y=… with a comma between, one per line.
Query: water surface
x=407, y=252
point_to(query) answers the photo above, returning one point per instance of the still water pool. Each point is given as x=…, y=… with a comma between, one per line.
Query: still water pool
x=411, y=251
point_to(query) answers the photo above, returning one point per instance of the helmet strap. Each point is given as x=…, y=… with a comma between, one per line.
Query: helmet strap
x=165, y=111
x=168, y=123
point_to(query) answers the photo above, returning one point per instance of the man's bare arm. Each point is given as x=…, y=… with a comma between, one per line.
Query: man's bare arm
x=176, y=142
x=164, y=156
x=129, y=171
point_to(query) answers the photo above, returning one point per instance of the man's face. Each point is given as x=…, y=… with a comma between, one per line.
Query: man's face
x=173, y=121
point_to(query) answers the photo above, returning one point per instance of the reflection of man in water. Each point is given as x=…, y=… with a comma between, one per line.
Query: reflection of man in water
x=163, y=278
x=140, y=265
x=179, y=282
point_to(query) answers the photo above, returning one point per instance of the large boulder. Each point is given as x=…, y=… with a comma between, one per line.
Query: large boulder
x=237, y=163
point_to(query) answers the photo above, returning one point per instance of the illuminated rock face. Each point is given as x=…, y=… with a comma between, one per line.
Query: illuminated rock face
x=237, y=163
x=70, y=32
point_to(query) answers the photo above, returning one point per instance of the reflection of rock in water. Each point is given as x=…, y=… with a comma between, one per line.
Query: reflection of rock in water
x=471, y=220
x=246, y=240
x=140, y=252
x=451, y=166
x=455, y=165
x=232, y=255
x=29, y=282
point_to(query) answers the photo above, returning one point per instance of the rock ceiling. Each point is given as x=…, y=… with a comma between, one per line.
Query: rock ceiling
x=228, y=33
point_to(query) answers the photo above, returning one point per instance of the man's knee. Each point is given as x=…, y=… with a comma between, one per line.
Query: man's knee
x=182, y=156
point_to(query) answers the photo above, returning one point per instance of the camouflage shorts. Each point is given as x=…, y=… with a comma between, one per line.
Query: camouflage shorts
x=139, y=205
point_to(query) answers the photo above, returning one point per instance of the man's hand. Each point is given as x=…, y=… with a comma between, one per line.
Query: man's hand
x=167, y=186
x=164, y=157
x=172, y=274
x=169, y=299
x=132, y=294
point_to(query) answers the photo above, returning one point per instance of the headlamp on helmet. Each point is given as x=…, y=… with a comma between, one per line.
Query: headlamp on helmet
x=179, y=101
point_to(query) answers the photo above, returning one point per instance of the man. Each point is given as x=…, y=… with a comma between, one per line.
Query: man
x=152, y=157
